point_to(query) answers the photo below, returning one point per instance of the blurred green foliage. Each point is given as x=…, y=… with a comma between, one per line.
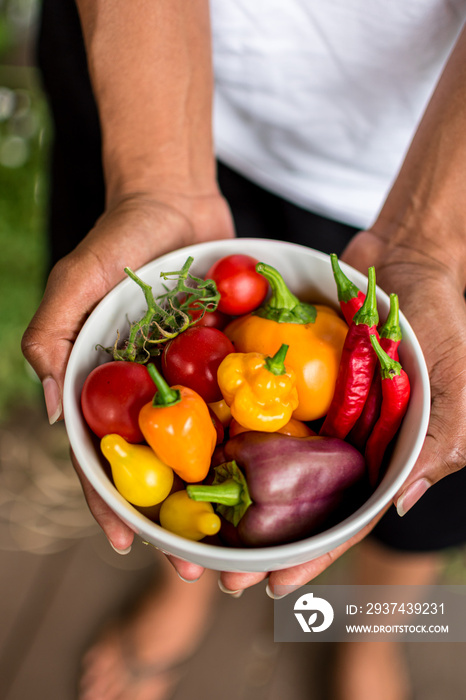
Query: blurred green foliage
x=24, y=147
x=25, y=133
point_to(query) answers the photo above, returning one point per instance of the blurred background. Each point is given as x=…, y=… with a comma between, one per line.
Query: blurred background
x=59, y=579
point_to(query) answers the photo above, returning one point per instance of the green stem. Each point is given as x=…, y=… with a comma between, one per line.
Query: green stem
x=389, y=368
x=368, y=314
x=276, y=364
x=165, y=396
x=391, y=328
x=180, y=275
x=228, y=493
x=166, y=315
x=152, y=305
x=283, y=306
x=346, y=290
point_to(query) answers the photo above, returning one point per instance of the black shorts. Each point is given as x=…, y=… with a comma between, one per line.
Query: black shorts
x=438, y=520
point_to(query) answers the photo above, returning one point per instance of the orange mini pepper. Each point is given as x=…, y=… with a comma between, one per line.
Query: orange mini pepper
x=260, y=390
x=178, y=427
x=315, y=335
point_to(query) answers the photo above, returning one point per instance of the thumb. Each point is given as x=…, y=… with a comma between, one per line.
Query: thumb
x=444, y=448
x=434, y=463
x=49, y=338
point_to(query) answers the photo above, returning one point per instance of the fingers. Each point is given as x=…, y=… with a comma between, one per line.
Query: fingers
x=230, y=583
x=117, y=532
x=297, y=576
x=186, y=570
x=284, y=581
x=444, y=449
x=423, y=476
x=233, y=582
x=442, y=454
x=48, y=341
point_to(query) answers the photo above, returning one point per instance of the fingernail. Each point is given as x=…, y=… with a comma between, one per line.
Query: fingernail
x=188, y=580
x=411, y=496
x=275, y=596
x=232, y=594
x=52, y=399
x=123, y=552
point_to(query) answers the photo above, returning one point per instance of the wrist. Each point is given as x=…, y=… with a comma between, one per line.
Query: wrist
x=423, y=236
x=171, y=219
x=173, y=177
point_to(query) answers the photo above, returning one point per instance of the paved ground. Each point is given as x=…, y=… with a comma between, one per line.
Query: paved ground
x=59, y=581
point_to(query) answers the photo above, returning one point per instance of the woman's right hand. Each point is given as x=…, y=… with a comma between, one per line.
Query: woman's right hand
x=133, y=232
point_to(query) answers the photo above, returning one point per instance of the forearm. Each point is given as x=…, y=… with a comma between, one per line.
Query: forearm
x=150, y=66
x=424, y=216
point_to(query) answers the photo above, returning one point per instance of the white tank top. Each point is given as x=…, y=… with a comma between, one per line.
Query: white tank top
x=317, y=100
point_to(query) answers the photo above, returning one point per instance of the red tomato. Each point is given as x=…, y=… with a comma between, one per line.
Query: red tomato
x=211, y=319
x=192, y=359
x=112, y=396
x=241, y=288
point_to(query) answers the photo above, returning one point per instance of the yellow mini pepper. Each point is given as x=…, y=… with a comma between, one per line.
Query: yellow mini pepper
x=138, y=474
x=191, y=519
x=260, y=390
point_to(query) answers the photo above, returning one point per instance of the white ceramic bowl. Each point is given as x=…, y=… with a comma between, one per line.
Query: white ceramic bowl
x=308, y=274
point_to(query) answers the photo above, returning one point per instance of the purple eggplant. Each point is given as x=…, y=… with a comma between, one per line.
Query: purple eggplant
x=275, y=488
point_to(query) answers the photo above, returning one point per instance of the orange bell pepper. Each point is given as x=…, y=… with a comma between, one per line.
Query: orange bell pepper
x=178, y=427
x=315, y=335
x=260, y=390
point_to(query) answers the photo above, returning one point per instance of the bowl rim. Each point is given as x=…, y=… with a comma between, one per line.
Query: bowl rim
x=235, y=558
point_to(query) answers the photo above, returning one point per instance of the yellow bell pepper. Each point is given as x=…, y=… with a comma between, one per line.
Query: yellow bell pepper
x=191, y=519
x=260, y=390
x=315, y=335
x=138, y=474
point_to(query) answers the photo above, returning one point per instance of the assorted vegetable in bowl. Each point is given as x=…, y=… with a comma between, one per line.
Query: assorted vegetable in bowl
x=308, y=273
x=308, y=400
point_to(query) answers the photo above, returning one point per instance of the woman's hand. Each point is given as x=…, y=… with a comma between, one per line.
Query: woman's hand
x=294, y=576
x=133, y=232
x=431, y=297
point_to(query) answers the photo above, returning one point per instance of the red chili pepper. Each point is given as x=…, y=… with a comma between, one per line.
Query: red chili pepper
x=395, y=397
x=390, y=333
x=350, y=297
x=356, y=369
x=390, y=338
